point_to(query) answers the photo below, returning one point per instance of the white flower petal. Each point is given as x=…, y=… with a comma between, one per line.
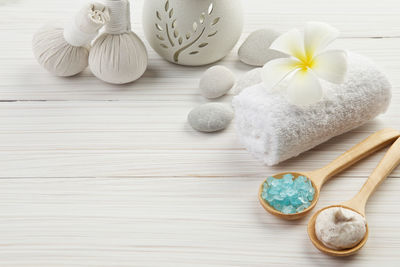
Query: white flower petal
x=331, y=66
x=317, y=36
x=277, y=70
x=290, y=43
x=304, y=88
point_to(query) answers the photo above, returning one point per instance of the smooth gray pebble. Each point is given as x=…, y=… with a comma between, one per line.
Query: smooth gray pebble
x=216, y=82
x=255, y=49
x=210, y=117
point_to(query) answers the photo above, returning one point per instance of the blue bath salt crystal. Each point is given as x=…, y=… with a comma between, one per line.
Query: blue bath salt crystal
x=288, y=195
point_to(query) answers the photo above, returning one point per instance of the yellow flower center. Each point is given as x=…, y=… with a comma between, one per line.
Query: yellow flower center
x=307, y=62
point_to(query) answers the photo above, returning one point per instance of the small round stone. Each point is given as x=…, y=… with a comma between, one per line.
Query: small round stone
x=216, y=82
x=255, y=49
x=248, y=79
x=210, y=117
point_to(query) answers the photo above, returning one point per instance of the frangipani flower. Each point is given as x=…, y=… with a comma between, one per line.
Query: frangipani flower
x=308, y=62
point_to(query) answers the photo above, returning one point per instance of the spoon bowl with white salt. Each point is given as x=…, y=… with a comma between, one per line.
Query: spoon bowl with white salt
x=342, y=230
x=293, y=195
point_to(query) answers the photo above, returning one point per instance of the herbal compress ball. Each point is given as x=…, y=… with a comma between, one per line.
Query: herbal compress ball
x=65, y=51
x=118, y=56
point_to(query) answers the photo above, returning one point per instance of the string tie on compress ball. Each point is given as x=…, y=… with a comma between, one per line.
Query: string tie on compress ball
x=119, y=17
x=84, y=27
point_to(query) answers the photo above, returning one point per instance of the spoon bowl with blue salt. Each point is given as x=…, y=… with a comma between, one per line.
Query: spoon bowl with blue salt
x=292, y=195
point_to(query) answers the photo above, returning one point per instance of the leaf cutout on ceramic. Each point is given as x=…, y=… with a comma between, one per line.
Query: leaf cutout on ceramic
x=202, y=18
x=167, y=6
x=212, y=34
x=188, y=45
x=158, y=15
x=215, y=21
x=169, y=36
x=210, y=9
x=200, y=29
x=159, y=27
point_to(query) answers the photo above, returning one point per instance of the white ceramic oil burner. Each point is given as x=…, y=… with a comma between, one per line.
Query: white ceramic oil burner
x=192, y=32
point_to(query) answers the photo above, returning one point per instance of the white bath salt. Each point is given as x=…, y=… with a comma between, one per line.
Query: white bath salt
x=339, y=228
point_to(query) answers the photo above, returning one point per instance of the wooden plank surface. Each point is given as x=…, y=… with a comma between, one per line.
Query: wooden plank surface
x=173, y=222
x=93, y=174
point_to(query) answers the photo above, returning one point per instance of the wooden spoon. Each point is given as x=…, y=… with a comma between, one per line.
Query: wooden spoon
x=318, y=177
x=389, y=162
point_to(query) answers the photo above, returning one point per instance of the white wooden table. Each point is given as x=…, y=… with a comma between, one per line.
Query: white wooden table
x=100, y=175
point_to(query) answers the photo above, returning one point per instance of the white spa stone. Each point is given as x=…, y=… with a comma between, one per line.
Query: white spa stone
x=340, y=228
x=216, y=82
x=273, y=130
x=255, y=49
x=210, y=117
x=248, y=79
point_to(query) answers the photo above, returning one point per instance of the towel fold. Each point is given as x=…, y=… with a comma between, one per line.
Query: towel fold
x=273, y=130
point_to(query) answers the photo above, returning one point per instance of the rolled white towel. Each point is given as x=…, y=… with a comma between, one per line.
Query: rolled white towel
x=273, y=130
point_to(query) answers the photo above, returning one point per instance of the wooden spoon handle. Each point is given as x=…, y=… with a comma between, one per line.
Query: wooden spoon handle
x=389, y=162
x=367, y=147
